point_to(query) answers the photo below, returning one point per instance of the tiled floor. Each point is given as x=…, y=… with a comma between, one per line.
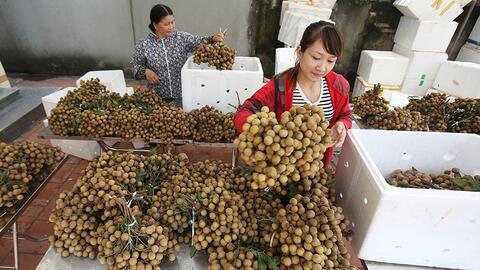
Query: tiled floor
x=34, y=221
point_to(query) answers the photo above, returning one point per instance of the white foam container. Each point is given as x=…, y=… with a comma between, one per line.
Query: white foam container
x=284, y=59
x=4, y=83
x=460, y=79
x=383, y=67
x=430, y=9
x=87, y=150
x=416, y=87
x=422, y=65
x=469, y=53
x=410, y=226
x=113, y=80
x=422, y=35
x=288, y=5
x=203, y=85
x=361, y=86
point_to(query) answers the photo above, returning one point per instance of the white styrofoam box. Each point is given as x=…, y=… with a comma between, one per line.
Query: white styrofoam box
x=284, y=59
x=405, y=225
x=113, y=80
x=422, y=65
x=460, y=79
x=383, y=67
x=49, y=102
x=5, y=84
x=475, y=34
x=416, y=87
x=88, y=150
x=323, y=4
x=361, y=86
x=463, y=3
x=469, y=53
x=322, y=13
x=203, y=85
x=430, y=36
x=396, y=99
x=435, y=10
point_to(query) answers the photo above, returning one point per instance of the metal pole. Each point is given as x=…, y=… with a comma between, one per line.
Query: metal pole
x=15, y=245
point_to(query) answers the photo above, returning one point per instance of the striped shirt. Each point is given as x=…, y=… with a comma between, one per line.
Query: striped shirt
x=324, y=101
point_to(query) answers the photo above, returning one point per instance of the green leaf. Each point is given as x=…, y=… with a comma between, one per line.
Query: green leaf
x=152, y=152
x=4, y=176
x=141, y=176
x=99, y=112
x=292, y=189
x=193, y=251
x=272, y=263
x=475, y=183
x=15, y=183
x=460, y=182
x=330, y=183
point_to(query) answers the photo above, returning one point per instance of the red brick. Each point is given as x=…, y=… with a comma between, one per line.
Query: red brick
x=353, y=259
x=33, y=247
x=40, y=202
x=24, y=222
x=73, y=159
x=64, y=172
x=68, y=185
x=32, y=211
x=6, y=247
x=26, y=261
x=7, y=260
x=40, y=228
x=50, y=191
x=45, y=214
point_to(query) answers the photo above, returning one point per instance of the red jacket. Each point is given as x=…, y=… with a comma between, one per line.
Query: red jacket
x=337, y=85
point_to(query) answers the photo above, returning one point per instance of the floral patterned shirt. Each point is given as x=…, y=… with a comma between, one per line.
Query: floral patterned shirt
x=165, y=56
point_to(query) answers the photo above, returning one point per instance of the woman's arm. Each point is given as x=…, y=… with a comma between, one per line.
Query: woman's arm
x=264, y=96
x=192, y=41
x=139, y=62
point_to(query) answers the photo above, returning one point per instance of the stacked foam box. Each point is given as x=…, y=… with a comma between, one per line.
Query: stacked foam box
x=114, y=80
x=470, y=52
x=284, y=59
x=423, y=35
x=4, y=83
x=297, y=15
x=384, y=67
x=459, y=79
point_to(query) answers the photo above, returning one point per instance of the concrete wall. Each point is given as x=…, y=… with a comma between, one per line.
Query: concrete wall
x=65, y=37
x=72, y=37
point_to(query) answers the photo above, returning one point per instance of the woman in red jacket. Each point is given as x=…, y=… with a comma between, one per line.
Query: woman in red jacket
x=311, y=81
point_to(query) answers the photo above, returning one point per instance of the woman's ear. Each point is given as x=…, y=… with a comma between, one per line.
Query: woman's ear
x=299, y=52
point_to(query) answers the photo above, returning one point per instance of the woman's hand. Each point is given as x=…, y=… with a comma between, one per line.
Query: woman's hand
x=218, y=37
x=339, y=132
x=152, y=77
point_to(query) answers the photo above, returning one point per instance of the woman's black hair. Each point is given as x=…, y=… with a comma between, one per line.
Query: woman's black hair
x=157, y=13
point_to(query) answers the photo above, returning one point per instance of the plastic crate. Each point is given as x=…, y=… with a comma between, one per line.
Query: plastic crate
x=460, y=79
x=203, y=85
x=113, y=80
x=410, y=226
x=383, y=67
x=422, y=35
x=430, y=10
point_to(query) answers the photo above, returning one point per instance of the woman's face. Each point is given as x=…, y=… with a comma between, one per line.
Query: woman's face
x=315, y=61
x=165, y=27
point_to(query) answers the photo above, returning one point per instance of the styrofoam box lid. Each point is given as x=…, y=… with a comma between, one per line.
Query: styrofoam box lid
x=56, y=96
x=429, y=152
x=242, y=64
x=114, y=76
x=384, y=55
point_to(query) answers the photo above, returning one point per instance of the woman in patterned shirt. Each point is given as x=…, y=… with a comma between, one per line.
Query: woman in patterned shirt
x=160, y=56
x=311, y=81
